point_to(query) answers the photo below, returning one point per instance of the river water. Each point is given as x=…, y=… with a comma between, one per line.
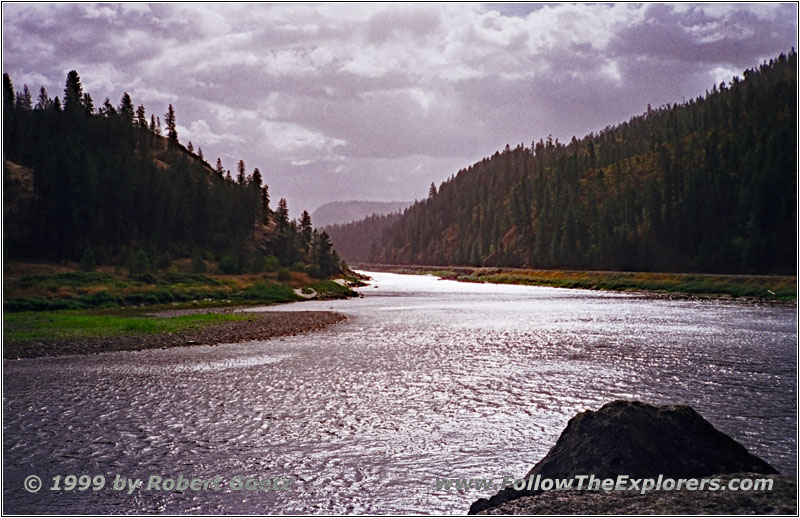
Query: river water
x=427, y=378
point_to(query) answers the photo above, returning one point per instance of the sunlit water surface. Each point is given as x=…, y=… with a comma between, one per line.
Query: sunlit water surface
x=427, y=378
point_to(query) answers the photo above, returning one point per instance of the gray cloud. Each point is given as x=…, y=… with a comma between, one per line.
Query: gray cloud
x=368, y=101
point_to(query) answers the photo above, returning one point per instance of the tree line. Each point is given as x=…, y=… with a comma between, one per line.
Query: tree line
x=108, y=182
x=357, y=241
x=708, y=185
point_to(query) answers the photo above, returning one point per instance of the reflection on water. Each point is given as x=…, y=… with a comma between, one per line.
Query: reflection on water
x=426, y=379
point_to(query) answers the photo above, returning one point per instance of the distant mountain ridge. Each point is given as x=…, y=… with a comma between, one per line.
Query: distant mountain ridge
x=339, y=212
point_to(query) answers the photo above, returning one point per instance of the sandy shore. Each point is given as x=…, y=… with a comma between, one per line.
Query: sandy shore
x=260, y=326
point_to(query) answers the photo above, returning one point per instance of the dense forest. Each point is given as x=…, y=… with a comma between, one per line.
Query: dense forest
x=708, y=185
x=103, y=185
x=357, y=241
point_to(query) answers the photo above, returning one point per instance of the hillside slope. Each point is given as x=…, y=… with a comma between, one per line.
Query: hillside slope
x=341, y=212
x=705, y=186
x=104, y=185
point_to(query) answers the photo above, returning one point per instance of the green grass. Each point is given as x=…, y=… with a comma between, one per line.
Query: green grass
x=332, y=290
x=773, y=288
x=766, y=287
x=34, y=326
x=95, y=290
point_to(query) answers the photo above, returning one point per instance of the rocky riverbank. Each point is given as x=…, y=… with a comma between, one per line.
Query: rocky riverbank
x=781, y=499
x=644, y=441
x=258, y=326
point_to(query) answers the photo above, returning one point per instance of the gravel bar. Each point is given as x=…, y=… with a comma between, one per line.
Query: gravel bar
x=260, y=326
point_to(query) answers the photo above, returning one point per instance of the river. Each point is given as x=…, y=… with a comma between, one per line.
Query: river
x=428, y=378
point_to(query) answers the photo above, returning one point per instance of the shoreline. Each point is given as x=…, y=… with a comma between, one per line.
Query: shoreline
x=746, y=288
x=258, y=326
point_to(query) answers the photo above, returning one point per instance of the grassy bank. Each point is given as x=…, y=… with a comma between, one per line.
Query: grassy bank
x=32, y=326
x=782, y=288
x=49, y=303
x=88, y=290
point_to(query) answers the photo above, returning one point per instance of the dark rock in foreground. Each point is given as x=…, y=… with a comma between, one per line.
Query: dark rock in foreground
x=782, y=499
x=638, y=440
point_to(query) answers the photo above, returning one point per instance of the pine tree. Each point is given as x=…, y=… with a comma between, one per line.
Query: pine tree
x=306, y=228
x=8, y=93
x=141, y=117
x=282, y=216
x=256, y=180
x=200, y=154
x=107, y=110
x=220, y=170
x=24, y=99
x=88, y=103
x=190, y=147
x=73, y=93
x=43, y=102
x=240, y=174
x=126, y=109
x=322, y=252
x=432, y=190
x=170, y=122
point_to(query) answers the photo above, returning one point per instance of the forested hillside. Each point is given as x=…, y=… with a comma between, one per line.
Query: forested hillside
x=103, y=185
x=357, y=241
x=707, y=186
x=341, y=212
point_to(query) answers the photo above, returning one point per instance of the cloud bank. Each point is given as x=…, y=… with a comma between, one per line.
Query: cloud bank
x=375, y=101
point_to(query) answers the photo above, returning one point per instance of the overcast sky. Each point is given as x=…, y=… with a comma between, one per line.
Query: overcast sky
x=375, y=101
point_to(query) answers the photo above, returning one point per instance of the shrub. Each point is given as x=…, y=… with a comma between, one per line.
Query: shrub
x=147, y=278
x=88, y=263
x=198, y=265
x=164, y=261
x=138, y=263
x=228, y=265
x=271, y=263
x=283, y=275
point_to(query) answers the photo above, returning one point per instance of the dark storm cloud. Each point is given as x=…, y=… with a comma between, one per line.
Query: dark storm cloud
x=355, y=101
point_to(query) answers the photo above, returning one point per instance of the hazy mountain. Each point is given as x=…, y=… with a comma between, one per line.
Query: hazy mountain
x=338, y=212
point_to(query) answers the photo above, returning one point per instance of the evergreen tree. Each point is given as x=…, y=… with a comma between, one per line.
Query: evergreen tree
x=73, y=93
x=8, y=93
x=190, y=147
x=24, y=99
x=126, y=109
x=170, y=122
x=108, y=110
x=306, y=228
x=141, y=117
x=88, y=103
x=220, y=170
x=240, y=173
x=43, y=102
x=257, y=180
x=282, y=216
